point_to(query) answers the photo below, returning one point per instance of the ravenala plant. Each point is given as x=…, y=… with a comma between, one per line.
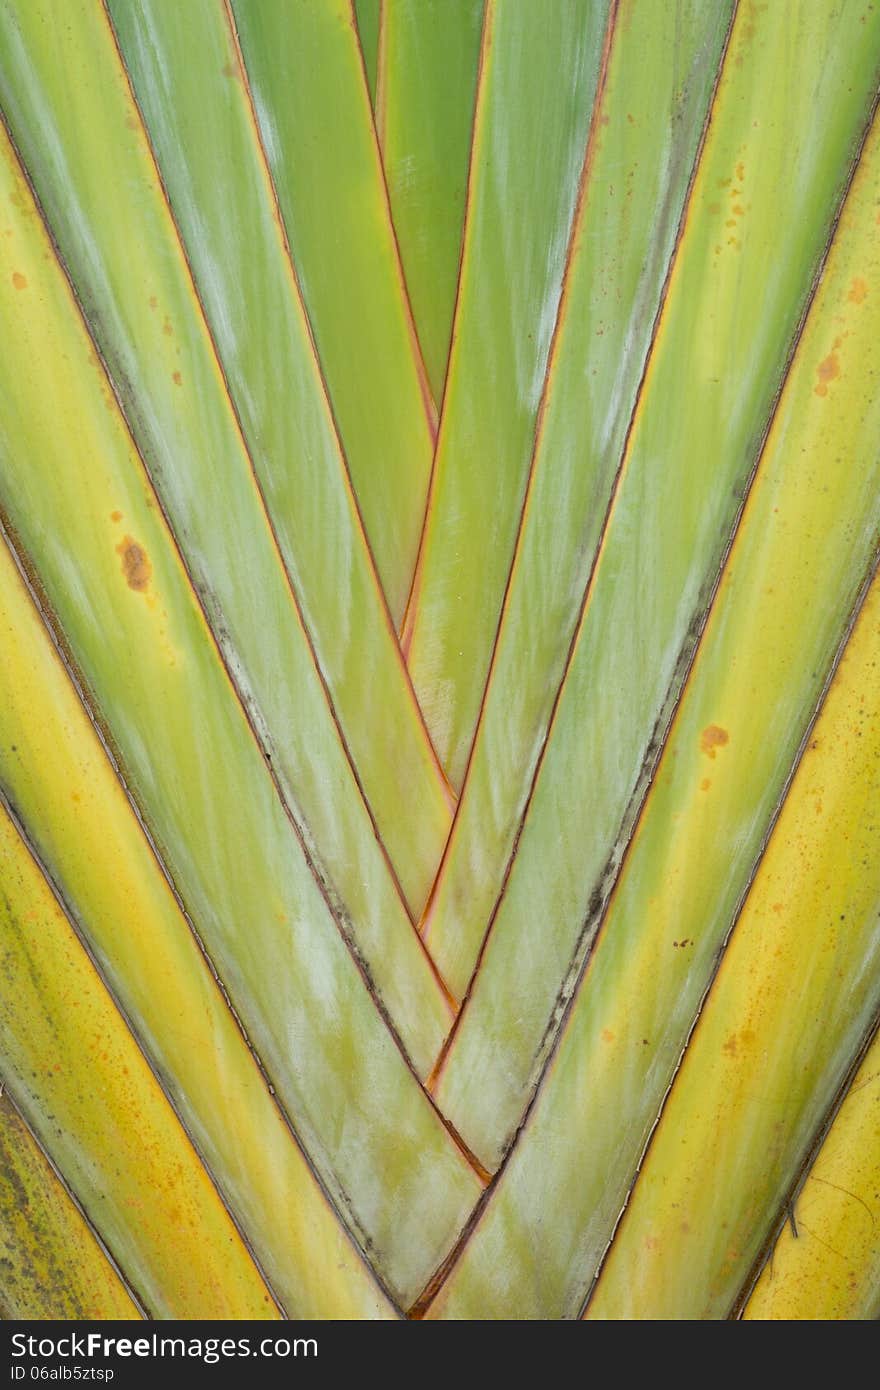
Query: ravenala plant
x=439, y=699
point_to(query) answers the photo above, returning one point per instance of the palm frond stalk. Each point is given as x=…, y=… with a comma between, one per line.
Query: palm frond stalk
x=439, y=698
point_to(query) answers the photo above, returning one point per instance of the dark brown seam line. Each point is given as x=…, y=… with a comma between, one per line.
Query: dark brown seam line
x=443, y=990
x=9, y=1092
x=346, y=471
x=820, y=267
x=40, y=602
x=419, y=1308
x=428, y=402
x=588, y=590
x=561, y=309
x=804, y=1172
x=721, y=951
x=407, y=623
x=134, y=1034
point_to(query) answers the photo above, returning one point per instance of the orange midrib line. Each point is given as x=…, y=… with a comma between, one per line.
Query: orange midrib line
x=591, y=580
x=380, y=110
x=428, y=403
x=288, y=809
x=350, y=493
x=561, y=309
x=407, y=624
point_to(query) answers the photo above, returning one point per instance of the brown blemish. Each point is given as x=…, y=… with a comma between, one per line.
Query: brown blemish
x=858, y=290
x=231, y=70
x=746, y=1037
x=19, y=280
x=154, y=303
x=740, y=171
x=166, y=327
x=712, y=738
x=135, y=564
x=828, y=369
x=116, y=516
x=705, y=784
x=607, y=1035
x=177, y=378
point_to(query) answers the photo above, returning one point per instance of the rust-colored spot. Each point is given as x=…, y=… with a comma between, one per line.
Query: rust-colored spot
x=714, y=207
x=740, y=171
x=712, y=738
x=154, y=303
x=705, y=784
x=745, y=1038
x=135, y=564
x=19, y=280
x=116, y=516
x=777, y=908
x=177, y=378
x=607, y=1035
x=857, y=291
x=231, y=70
x=166, y=327
x=828, y=369
x=132, y=122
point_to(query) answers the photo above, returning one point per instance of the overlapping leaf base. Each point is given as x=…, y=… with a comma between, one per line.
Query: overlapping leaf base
x=440, y=682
